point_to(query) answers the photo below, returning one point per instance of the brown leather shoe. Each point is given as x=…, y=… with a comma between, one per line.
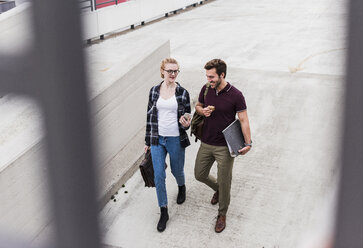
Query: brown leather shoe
x=215, y=199
x=220, y=224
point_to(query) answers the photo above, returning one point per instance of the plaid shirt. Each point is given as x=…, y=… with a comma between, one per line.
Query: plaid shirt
x=183, y=100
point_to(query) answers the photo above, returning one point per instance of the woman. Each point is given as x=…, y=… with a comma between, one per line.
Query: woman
x=166, y=133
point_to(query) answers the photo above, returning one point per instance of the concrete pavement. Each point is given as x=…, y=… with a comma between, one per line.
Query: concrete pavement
x=288, y=60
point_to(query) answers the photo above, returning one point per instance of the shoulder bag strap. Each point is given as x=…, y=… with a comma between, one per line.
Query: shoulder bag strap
x=206, y=90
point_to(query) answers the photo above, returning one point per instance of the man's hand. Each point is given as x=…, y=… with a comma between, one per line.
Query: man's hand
x=244, y=150
x=207, y=111
x=245, y=126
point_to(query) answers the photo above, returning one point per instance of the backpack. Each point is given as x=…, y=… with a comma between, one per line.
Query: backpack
x=196, y=126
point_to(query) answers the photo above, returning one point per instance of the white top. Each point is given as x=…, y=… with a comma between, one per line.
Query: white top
x=168, y=116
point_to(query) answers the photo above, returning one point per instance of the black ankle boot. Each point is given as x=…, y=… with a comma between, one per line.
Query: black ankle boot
x=164, y=217
x=181, y=195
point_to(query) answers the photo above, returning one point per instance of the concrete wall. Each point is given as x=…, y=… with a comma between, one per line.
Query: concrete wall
x=6, y=5
x=101, y=21
x=109, y=19
x=15, y=29
x=119, y=115
x=119, y=121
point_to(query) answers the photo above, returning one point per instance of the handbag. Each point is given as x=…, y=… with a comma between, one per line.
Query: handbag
x=196, y=126
x=147, y=170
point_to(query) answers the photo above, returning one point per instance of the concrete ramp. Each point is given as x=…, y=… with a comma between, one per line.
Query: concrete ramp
x=288, y=175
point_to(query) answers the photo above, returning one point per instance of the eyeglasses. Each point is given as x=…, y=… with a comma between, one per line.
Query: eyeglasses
x=170, y=72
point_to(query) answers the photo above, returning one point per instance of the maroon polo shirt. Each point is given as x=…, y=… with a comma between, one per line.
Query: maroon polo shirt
x=227, y=103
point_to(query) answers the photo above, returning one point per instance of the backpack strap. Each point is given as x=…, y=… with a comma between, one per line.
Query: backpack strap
x=206, y=90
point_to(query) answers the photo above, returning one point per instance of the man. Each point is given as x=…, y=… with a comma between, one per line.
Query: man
x=220, y=106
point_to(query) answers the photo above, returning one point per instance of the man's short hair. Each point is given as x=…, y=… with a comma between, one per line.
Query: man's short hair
x=219, y=64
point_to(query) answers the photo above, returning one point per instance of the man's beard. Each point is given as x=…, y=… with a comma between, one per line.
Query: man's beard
x=218, y=83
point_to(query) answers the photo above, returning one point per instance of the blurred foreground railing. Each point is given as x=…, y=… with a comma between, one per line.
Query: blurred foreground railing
x=52, y=72
x=87, y=5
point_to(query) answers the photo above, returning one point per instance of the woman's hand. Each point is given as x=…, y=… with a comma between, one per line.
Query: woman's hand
x=146, y=148
x=185, y=120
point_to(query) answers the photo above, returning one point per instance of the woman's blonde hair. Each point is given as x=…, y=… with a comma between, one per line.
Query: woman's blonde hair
x=167, y=61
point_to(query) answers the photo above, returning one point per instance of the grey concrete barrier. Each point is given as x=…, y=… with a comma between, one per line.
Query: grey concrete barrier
x=16, y=33
x=102, y=21
x=6, y=5
x=120, y=141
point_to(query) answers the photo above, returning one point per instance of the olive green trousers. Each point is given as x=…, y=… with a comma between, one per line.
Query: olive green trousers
x=207, y=155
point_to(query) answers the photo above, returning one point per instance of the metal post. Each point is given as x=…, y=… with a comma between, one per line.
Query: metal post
x=53, y=73
x=92, y=5
x=349, y=227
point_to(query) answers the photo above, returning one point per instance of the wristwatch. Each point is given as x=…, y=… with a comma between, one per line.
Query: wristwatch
x=250, y=144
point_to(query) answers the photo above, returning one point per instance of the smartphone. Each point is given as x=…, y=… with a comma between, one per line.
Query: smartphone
x=187, y=116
